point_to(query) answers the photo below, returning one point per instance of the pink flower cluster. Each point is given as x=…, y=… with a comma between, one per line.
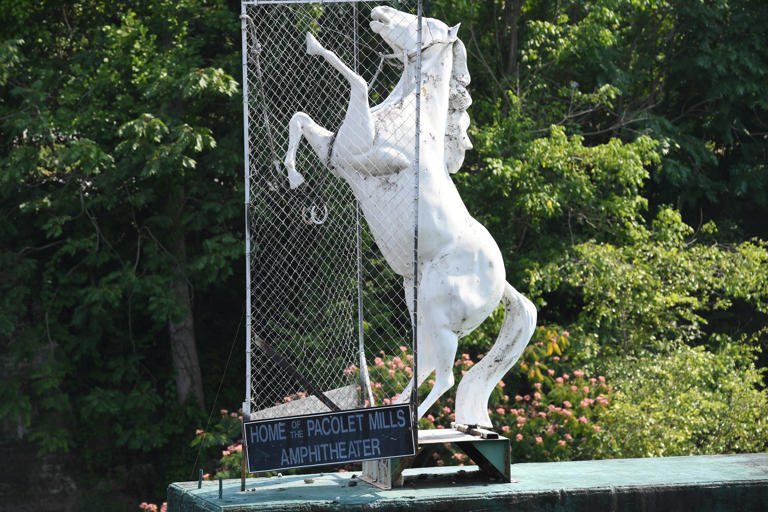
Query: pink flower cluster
x=556, y=420
x=151, y=507
x=233, y=448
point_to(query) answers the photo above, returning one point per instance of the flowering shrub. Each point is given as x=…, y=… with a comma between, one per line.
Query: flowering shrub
x=558, y=421
x=388, y=374
x=556, y=417
x=544, y=354
x=555, y=413
x=228, y=431
x=560, y=416
x=151, y=507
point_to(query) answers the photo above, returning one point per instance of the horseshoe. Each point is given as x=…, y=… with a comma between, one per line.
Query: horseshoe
x=319, y=220
x=310, y=214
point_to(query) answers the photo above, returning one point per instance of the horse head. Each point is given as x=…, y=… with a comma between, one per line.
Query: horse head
x=399, y=29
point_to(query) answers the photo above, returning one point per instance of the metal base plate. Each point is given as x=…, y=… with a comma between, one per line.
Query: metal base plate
x=492, y=456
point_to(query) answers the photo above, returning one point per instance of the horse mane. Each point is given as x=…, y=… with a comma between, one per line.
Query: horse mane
x=460, y=72
x=459, y=99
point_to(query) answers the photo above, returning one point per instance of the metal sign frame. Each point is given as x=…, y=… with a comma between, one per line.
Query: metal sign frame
x=328, y=439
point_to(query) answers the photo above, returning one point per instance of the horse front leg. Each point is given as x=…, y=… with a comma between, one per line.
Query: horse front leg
x=357, y=131
x=317, y=136
x=444, y=344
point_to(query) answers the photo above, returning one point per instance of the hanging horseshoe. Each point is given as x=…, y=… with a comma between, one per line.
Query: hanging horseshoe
x=319, y=219
x=311, y=215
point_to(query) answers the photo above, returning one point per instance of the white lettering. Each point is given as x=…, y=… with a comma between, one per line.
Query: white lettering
x=314, y=454
x=353, y=450
x=264, y=433
x=295, y=455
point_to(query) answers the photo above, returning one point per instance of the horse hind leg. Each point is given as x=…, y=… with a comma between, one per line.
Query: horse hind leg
x=425, y=370
x=435, y=337
x=317, y=136
x=477, y=385
x=426, y=363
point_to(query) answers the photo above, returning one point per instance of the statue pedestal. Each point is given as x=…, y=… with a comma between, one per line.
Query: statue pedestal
x=705, y=483
x=486, y=448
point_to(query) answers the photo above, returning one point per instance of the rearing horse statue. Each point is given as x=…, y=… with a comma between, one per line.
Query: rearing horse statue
x=461, y=272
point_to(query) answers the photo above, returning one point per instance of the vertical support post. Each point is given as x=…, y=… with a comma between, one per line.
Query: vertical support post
x=242, y=470
x=417, y=172
x=383, y=473
x=365, y=389
x=246, y=161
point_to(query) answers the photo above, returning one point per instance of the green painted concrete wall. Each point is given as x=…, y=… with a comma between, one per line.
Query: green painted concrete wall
x=706, y=483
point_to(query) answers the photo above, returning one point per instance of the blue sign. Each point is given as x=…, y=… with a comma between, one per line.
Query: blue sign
x=332, y=438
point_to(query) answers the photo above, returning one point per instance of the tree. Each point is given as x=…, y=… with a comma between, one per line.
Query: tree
x=620, y=162
x=617, y=163
x=120, y=182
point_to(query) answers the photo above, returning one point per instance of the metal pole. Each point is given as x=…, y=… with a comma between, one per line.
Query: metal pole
x=242, y=468
x=365, y=389
x=246, y=158
x=417, y=170
x=286, y=2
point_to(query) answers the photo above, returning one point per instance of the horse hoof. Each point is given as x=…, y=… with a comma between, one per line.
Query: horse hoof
x=294, y=179
x=313, y=46
x=479, y=418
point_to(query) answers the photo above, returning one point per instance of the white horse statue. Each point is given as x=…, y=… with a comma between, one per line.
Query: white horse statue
x=461, y=273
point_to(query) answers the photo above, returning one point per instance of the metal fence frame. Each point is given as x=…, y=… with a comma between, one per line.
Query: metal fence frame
x=247, y=404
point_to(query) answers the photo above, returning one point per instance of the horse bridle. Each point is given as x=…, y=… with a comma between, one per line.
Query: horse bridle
x=406, y=57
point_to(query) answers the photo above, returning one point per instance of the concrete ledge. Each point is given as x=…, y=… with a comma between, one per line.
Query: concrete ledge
x=706, y=483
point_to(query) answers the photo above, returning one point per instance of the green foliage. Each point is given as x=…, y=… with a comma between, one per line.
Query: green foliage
x=690, y=402
x=688, y=74
x=119, y=172
x=661, y=291
x=620, y=162
x=227, y=431
x=559, y=186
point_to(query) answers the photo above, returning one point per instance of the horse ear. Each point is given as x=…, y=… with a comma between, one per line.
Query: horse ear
x=460, y=71
x=454, y=31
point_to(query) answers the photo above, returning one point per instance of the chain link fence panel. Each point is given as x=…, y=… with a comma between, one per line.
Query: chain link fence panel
x=330, y=326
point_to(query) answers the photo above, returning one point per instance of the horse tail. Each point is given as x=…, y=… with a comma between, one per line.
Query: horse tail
x=477, y=385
